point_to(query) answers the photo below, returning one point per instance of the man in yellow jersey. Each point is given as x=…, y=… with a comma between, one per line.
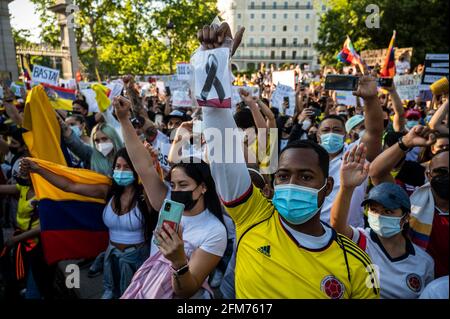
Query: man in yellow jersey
x=284, y=250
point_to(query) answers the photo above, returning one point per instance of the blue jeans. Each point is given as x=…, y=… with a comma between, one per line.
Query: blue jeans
x=119, y=268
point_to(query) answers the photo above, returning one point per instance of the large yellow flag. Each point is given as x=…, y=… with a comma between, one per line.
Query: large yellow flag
x=44, y=133
x=101, y=96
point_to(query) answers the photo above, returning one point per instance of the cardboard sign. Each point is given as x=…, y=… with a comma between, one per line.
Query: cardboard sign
x=346, y=98
x=374, y=57
x=184, y=71
x=407, y=86
x=284, y=77
x=43, y=74
x=278, y=97
x=436, y=67
x=212, y=77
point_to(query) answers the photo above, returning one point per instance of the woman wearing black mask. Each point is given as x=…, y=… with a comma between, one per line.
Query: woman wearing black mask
x=195, y=251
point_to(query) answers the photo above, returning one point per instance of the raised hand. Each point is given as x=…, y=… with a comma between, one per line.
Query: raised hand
x=367, y=87
x=354, y=169
x=122, y=107
x=171, y=245
x=214, y=36
x=419, y=136
x=27, y=166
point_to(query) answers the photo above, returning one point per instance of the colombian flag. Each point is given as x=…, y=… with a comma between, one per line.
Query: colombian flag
x=388, y=69
x=348, y=53
x=60, y=98
x=71, y=225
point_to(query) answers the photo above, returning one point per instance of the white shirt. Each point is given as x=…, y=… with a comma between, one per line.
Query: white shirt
x=404, y=277
x=308, y=241
x=437, y=289
x=356, y=212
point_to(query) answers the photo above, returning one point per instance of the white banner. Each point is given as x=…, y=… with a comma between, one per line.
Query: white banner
x=282, y=93
x=43, y=74
x=407, y=86
x=346, y=98
x=236, y=98
x=284, y=77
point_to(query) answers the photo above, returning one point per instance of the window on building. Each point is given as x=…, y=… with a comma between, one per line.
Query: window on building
x=308, y=4
x=306, y=28
x=263, y=4
x=274, y=28
x=306, y=41
x=261, y=54
x=294, y=41
x=285, y=4
x=274, y=15
x=251, y=41
x=263, y=15
x=239, y=16
x=274, y=42
x=297, y=5
x=283, y=55
x=238, y=53
x=275, y=5
x=251, y=53
x=272, y=55
x=263, y=27
x=307, y=16
x=252, y=5
x=305, y=55
x=294, y=55
x=296, y=15
x=252, y=28
x=250, y=66
x=252, y=16
x=284, y=28
x=283, y=42
x=285, y=15
x=262, y=41
x=295, y=27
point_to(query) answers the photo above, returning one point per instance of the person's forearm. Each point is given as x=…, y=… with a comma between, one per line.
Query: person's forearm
x=340, y=209
x=185, y=286
x=231, y=178
x=381, y=167
x=399, y=112
x=257, y=116
x=80, y=149
x=438, y=117
x=373, y=122
x=270, y=117
x=13, y=114
x=296, y=133
x=32, y=233
x=60, y=182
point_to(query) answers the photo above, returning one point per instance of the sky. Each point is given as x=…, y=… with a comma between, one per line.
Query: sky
x=23, y=17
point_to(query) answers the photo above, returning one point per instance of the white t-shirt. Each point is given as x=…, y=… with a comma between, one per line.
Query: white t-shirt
x=202, y=231
x=356, y=212
x=404, y=277
x=437, y=289
x=308, y=241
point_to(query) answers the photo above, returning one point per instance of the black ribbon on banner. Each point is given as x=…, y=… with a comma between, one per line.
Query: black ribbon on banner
x=212, y=80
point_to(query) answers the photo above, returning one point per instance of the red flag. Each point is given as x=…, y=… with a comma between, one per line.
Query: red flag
x=388, y=69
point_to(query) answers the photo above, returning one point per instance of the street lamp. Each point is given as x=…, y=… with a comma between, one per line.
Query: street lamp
x=170, y=26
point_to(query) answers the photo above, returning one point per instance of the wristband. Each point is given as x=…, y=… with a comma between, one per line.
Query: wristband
x=402, y=145
x=181, y=271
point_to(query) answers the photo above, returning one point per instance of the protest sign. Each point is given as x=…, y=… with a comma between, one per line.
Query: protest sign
x=281, y=93
x=374, y=57
x=407, y=86
x=284, y=77
x=236, y=98
x=184, y=71
x=212, y=77
x=346, y=98
x=436, y=67
x=43, y=74
x=180, y=93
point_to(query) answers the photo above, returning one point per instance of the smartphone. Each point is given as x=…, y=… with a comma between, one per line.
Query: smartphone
x=168, y=91
x=170, y=214
x=385, y=82
x=339, y=82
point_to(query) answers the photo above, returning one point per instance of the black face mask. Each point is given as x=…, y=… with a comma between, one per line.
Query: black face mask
x=440, y=186
x=184, y=197
x=312, y=137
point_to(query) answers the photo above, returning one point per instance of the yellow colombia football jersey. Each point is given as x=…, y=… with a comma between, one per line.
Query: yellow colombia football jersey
x=271, y=264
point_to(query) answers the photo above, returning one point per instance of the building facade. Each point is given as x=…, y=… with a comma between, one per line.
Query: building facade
x=8, y=63
x=277, y=31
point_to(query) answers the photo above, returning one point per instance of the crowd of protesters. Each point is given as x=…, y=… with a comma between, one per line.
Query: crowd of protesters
x=357, y=206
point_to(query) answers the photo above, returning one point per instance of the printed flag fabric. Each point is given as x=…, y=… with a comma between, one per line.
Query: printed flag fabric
x=43, y=138
x=71, y=225
x=348, y=53
x=102, y=96
x=60, y=98
x=388, y=69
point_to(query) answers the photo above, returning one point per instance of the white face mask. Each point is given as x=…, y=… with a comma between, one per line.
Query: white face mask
x=105, y=148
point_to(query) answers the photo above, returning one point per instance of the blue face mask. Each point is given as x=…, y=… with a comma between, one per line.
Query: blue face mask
x=384, y=226
x=411, y=124
x=123, y=178
x=332, y=142
x=297, y=204
x=76, y=130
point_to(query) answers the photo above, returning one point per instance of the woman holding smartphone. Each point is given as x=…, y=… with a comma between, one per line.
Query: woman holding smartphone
x=126, y=215
x=195, y=251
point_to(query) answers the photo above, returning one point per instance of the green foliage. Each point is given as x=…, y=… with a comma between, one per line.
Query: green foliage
x=50, y=33
x=422, y=25
x=21, y=36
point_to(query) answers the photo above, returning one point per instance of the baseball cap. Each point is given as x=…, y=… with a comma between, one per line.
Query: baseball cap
x=178, y=114
x=353, y=121
x=390, y=195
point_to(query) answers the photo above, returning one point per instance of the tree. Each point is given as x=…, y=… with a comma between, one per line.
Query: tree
x=50, y=33
x=21, y=37
x=421, y=24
